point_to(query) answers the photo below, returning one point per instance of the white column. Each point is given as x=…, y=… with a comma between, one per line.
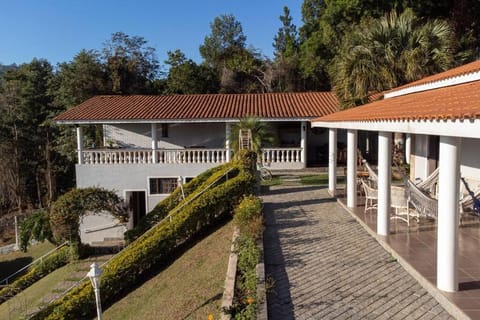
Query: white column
x=332, y=161
x=447, y=224
x=384, y=182
x=352, y=168
x=227, y=140
x=79, y=145
x=303, y=143
x=408, y=148
x=154, y=143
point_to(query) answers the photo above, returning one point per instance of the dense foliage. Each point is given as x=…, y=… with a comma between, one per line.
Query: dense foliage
x=248, y=218
x=36, y=227
x=390, y=51
x=123, y=271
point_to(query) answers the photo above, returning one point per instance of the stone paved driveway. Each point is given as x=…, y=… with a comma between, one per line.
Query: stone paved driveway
x=326, y=266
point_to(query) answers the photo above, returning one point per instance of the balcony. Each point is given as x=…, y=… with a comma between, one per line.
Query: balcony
x=144, y=156
x=275, y=158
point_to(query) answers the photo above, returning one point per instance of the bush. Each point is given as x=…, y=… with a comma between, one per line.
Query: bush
x=156, y=245
x=36, y=227
x=248, y=216
x=36, y=272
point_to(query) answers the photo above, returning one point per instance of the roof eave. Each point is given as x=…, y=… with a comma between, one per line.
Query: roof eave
x=207, y=120
x=469, y=128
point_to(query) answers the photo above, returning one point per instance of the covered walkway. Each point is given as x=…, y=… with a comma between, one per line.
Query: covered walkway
x=324, y=265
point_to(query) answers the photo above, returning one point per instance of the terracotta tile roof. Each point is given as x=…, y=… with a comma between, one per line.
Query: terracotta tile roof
x=453, y=102
x=207, y=106
x=455, y=72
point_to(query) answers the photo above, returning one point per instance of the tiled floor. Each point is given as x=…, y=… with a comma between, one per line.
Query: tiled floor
x=417, y=245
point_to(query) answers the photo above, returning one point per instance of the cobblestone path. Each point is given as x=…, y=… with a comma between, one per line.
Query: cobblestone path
x=326, y=266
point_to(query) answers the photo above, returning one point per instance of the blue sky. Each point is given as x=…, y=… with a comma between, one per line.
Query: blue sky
x=58, y=29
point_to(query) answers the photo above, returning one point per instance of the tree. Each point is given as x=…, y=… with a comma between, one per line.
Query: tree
x=389, y=52
x=285, y=42
x=82, y=78
x=25, y=136
x=186, y=77
x=286, y=73
x=132, y=66
x=238, y=68
x=262, y=134
x=225, y=40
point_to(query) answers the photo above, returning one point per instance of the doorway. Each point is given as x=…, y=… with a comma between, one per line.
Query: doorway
x=136, y=201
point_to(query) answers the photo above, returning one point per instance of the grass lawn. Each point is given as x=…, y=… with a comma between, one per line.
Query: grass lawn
x=276, y=180
x=318, y=179
x=25, y=301
x=190, y=288
x=13, y=261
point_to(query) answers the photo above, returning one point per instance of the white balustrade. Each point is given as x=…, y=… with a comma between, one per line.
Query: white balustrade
x=281, y=155
x=164, y=156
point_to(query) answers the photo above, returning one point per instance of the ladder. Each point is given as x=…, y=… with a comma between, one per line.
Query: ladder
x=245, y=139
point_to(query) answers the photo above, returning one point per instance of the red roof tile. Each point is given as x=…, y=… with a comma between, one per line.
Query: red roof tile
x=202, y=107
x=453, y=102
x=455, y=72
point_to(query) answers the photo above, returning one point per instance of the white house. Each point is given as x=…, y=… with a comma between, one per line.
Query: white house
x=151, y=141
x=440, y=115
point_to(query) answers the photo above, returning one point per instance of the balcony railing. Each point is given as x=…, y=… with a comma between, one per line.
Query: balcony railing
x=164, y=156
x=183, y=156
x=281, y=155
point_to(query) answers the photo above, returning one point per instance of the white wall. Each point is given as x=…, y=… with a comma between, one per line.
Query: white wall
x=420, y=151
x=470, y=161
x=134, y=176
x=180, y=135
x=97, y=227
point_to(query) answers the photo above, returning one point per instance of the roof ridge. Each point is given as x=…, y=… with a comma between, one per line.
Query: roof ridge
x=462, y=74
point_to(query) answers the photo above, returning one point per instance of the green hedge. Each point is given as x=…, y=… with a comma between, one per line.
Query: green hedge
x=157, y=244
x=36, y=272
x=248, y=218
x=165, y=206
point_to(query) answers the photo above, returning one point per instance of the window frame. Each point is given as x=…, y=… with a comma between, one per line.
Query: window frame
x=149, y=183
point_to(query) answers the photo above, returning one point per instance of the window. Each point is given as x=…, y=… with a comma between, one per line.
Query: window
x=162, y=185
x=164, y=130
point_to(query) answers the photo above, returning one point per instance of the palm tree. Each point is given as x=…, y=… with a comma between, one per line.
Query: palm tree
x=388, y=52
x=262, y=134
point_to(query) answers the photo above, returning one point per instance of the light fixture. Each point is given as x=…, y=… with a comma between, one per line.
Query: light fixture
x=180, y=183
x=94, y=274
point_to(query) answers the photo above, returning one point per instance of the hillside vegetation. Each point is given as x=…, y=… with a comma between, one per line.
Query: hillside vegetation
x=199, y=211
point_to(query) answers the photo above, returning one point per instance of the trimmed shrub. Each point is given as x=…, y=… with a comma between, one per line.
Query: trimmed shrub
x=245, y=299
x=36, y=272
x=248, y=218
x=157, y=244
